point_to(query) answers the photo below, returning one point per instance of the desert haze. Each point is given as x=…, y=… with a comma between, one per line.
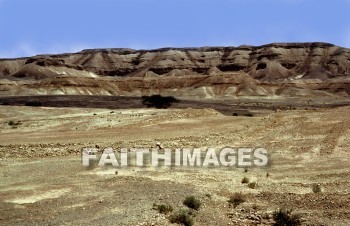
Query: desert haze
x=293, y=99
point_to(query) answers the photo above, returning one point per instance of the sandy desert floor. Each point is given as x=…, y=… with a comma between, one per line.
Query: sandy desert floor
x=42, y=180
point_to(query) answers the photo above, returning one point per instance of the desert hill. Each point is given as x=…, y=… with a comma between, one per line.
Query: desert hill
x=280, y=69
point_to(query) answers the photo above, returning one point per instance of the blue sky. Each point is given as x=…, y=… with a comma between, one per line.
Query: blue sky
x=29, y=27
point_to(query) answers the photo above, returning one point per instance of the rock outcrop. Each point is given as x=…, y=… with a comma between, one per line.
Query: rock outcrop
x=274, y=69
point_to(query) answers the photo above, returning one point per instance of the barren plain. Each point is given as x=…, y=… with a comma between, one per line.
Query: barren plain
x=289, y=98
x=44, y=182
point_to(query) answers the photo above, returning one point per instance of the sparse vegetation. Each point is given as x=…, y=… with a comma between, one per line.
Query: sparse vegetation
x=14, y=124
x=158, y=101
x=236, y=199
x=182, y=217
x=252, y=185
x=316, y=188
x=192, y=202
x=163, y=208
x=245, y=114
x=245, y=180
x=285, y=217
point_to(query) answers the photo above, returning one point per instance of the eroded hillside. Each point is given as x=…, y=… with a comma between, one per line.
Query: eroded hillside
x=288, y=69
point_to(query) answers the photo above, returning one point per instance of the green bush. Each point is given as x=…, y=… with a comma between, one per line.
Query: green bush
x=284, y=217
x=181, y=217
x=236, y=199
x=192, y=202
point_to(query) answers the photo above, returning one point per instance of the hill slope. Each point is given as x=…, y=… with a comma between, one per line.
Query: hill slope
x=280, y=69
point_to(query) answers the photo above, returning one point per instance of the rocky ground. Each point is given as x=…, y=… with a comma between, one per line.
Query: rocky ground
x=42, y=180
x=289, y=98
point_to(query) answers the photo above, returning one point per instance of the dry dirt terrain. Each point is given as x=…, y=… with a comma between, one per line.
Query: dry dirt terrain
x=289, y=98
x=43, y=182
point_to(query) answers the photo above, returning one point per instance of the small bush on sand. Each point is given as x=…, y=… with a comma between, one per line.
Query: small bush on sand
x=208, y=195
x=163, y=208
x=252, y=185
x=316, y=188
x=236, y=199
x=192, y=202
x=284, y=217
x=14, y=124
x=181, y=217
x=245, y=180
